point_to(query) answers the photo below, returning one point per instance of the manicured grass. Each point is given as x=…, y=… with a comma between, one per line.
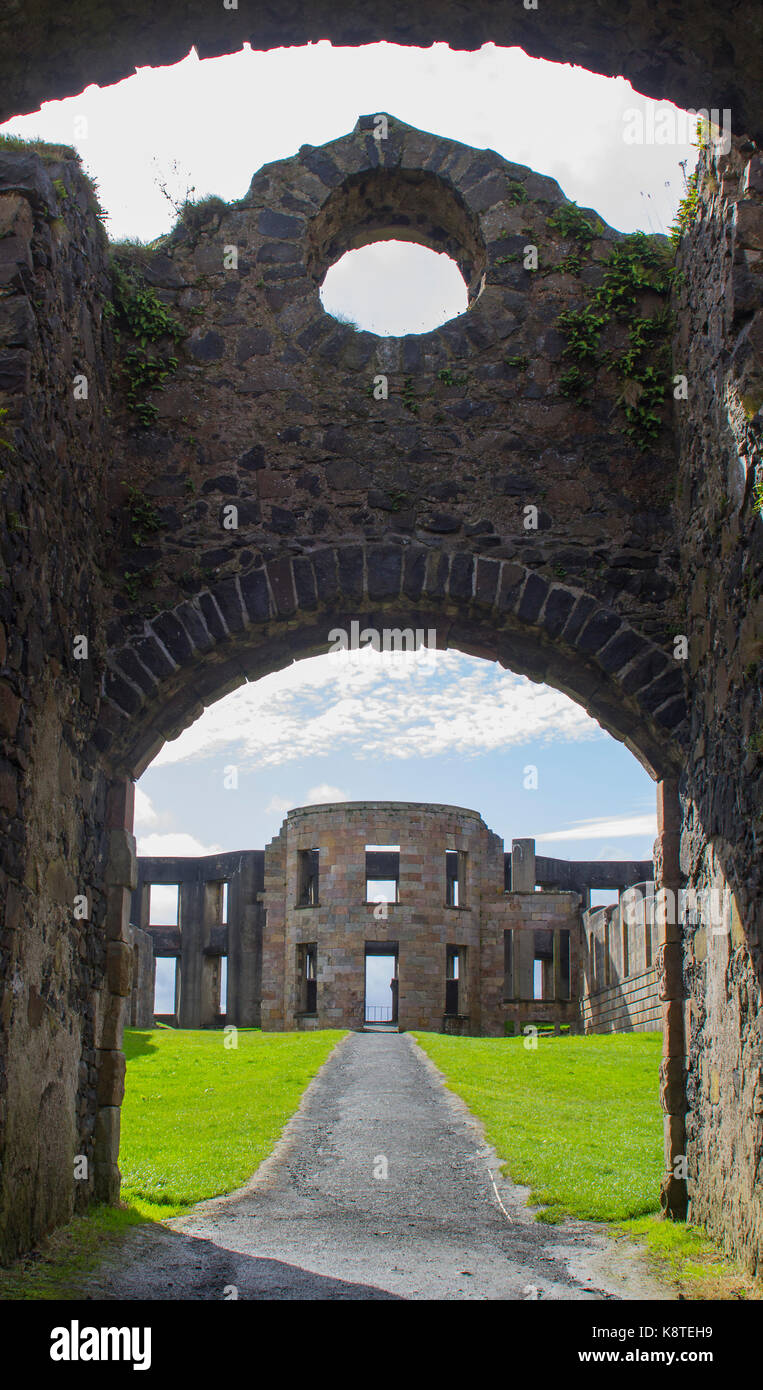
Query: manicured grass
x=577, y=1120
x=199, y=1117
x=197, y=1120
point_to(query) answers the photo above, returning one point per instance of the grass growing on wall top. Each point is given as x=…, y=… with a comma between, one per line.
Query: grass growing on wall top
x=577, y=1120
x=198, y=1118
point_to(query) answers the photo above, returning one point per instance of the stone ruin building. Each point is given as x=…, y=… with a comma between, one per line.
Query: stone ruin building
x=472, y=945
x=127, y=605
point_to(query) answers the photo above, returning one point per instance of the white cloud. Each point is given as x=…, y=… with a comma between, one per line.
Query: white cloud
x=145, y=813
x=369, y=708
x=175, y=843
x=279, y=805
x=323, y=794
x=617, y=827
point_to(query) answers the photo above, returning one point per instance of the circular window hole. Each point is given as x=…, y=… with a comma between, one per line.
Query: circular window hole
x=393, y=288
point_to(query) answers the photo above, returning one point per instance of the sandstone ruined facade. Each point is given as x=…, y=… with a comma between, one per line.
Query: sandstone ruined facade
x=476, y=947
x=407, y=515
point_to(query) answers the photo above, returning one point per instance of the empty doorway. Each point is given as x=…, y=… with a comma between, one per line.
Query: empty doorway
x=381, y=985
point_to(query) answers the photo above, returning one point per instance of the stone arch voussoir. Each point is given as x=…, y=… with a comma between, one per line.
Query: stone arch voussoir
x=159, y=680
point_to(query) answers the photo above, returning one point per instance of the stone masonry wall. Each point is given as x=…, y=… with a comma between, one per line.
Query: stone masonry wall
x=53, y=796
x=344, y=511
x=719, y=504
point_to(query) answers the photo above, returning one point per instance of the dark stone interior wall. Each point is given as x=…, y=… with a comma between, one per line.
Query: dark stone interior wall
x=720, y=532
x=53, y=281
x=54, y=1014
x=698, y=54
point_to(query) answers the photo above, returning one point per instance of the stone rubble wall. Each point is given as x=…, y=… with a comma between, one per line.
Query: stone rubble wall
x=719, y=526
x=54, y=954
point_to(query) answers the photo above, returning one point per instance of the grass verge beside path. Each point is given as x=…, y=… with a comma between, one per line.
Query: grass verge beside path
x=198, y=1119
x=576, y=1119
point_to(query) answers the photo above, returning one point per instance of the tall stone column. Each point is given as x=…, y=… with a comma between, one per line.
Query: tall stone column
x=244, y=945
x=673, y=1192
x=191, y=923
x=120, y=877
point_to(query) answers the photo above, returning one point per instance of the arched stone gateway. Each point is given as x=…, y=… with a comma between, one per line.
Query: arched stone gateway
x=130, y=601
x=159, y=682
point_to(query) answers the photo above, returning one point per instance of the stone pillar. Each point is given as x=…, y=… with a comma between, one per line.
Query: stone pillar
x=245, y=916
x=523, y=866
x=673, y=1192
x=120, y=878
x=191, y=923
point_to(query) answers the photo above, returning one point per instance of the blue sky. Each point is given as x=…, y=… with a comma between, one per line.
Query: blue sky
x=465, y=731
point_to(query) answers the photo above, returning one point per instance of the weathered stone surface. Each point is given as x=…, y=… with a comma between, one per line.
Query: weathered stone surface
x=392, y=506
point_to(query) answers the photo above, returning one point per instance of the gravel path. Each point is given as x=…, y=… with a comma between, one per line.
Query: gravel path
x=318, y=1221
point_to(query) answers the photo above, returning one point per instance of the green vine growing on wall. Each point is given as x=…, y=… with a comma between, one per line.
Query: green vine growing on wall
x=635, y=265
x=143, y=515
x=137, y=312
x=575, y=225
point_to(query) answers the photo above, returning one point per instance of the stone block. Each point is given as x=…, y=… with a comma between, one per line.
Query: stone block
x=111, y=1078
x=118, y=967
x=121, y=863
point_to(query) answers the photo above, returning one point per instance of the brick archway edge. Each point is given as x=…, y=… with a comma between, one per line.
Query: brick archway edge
x=159, y=679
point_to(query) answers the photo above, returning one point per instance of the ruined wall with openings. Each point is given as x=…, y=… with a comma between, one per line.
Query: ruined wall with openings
x=341, y=919
x=346, y=511
x=718, y=526
x=620, y=975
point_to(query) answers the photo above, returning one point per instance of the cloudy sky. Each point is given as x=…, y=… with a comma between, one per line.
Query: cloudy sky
x=206, y=127
x=464, y=732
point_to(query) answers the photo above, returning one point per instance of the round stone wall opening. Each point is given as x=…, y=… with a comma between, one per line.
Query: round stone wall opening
x=393, y=288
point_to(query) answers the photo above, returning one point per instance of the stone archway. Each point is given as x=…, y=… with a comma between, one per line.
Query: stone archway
x=699, y=59
x=159, y=680
x=590, y=603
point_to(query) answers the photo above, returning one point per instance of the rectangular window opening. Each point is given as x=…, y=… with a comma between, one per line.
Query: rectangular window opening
x=307, y=877
x=163, y=905
x=307, y=977
x=564, y=964
x=543, y=965
x=165, y=985
x=455, y=878
x=382, y=873
x=223, y=1009
x=508, y=964
x=455, y=980
x=224, y=914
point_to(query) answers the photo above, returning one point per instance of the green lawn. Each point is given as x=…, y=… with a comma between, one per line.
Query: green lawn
x=197, y=1120
x=577, y=1120
x=198, y=1117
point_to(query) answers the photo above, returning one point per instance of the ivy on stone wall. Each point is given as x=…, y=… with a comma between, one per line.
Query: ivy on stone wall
x=636, y=265
x=138, y=313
